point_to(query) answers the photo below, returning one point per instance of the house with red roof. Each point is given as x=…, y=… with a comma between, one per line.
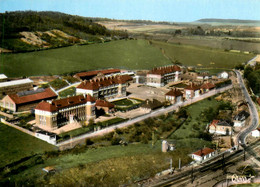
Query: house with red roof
x=106, y=106
x=174, y=96
x=206, y=87
x=203, y=154
x=161, y=76
x=220, y=127
x=191, y=91
x=105, y=87
x=27, y=100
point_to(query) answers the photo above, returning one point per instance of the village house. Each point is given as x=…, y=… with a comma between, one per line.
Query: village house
x=191, y=91
x=256, y=133
x=204, y=76
x=161, y=76
x=220, y=127
x=105, y=87
x=174, y=96
x=240, y=119
x=207, y=86
x=105, y=106
x=26, y=100
x=223, y=75
x=91, y=74
x=56, y=113
x=12, y=87
x=203, y=154
x=3, y=78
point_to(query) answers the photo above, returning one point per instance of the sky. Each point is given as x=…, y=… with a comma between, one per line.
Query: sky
x=156, y=10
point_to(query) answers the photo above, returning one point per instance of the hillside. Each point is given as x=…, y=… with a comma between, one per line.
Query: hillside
x=29, y=30
x=132, y=54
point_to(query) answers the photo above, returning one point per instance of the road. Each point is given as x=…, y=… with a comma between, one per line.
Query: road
x=158, y=112
x=252, y=109
x=230, y=159
x=182, y=179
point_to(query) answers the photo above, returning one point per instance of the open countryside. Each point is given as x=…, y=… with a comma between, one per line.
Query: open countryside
x=131, y=54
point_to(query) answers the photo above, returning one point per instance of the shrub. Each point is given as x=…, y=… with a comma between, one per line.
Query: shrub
x=89, y=142
x=115, y=141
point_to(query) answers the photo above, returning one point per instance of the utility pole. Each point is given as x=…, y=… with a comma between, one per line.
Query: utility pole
x=244, y=154
x=179, y=163
x=153, y=139
x=192, y=178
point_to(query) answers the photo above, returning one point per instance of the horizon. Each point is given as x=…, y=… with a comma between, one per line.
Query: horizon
x=152, y=10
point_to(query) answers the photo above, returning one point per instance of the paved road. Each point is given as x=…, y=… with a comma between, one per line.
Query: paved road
x=252, y=109
x=155, y=113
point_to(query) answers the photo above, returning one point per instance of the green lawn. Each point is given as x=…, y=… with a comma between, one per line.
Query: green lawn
x=206, y=57
x=124, y=102
x=132, y=54
x=68, y=92
x=16, y=145
x=187, y=129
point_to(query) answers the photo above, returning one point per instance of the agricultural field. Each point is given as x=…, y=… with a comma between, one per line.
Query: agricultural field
x=16, y=145
x=202, y=56
x=129, y=54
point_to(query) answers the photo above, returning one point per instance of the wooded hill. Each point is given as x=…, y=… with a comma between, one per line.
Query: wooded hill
x=54, y=29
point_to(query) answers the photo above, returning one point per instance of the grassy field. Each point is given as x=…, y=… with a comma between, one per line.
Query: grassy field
x=202, y=56
x=16, y=145
x=187, y=129
x=132, y=54
x=68, y=92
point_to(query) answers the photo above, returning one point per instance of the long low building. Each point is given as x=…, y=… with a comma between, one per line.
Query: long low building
x=12, y=87
x=105, y=87
x=161, y=76
x=26, y=100
x=91, y=74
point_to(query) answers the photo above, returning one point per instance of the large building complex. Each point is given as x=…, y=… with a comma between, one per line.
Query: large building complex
x=53, y=114
x=161, y=76
x=26, y=100
x=105, y=87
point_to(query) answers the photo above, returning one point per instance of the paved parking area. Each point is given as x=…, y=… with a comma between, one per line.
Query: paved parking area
x=147, y=92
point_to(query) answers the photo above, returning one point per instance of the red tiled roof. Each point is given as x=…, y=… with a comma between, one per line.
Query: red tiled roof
x=204, y=151
x=214, y=122
x=192, y=87
x=104, y=82
x=103, y=103
x=208, y=85
x=46, y=94
x=64, y=103
x=164, y=70
x=94, y=73
x=174, y=92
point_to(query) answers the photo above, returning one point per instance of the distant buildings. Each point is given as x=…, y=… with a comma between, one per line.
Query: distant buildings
x=12, y=87
x=203, y=154
x=220, y=127
x=105, y=87
x=161, y=76
x=91, y=74
x=207, y=87
x=191, y=91
x=174, y=96
x=3, y=78
x=256, y=133
x=26, y=100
